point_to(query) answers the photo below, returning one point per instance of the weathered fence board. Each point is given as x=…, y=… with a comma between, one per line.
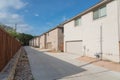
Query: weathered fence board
x=8, y=47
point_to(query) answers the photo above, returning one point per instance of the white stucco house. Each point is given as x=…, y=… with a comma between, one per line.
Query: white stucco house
x=95, y=31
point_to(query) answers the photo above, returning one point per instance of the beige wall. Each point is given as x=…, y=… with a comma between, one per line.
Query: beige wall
x=52, y=38
x=89, y=32
x=35, y=42
x=42, y=41
x=55, y=37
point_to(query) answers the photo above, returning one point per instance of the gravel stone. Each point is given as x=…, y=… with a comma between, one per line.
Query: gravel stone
x=23, y=70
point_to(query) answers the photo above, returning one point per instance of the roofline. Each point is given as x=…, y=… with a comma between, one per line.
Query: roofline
x=88, y=10
x=79, y=15
x=59, y=26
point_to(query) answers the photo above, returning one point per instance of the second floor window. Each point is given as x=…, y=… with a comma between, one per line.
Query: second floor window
x=77, y=22
x=100, y=12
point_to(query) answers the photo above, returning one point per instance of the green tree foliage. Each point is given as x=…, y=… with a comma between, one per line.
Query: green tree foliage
x=22, y=37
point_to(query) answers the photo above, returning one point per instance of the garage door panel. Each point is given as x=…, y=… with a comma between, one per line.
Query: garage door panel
x=74, y=47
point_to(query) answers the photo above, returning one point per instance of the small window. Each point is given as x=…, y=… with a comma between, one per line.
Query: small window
x=96, y=14
x=78, y=22
x=100, y=12
x=103, y=11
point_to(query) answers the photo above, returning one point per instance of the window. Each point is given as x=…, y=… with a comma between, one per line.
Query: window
x=96, y=14
x=103, y=11
x=100, y=12
x=78, y=22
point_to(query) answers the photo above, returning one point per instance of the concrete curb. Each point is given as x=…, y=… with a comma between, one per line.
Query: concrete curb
x=8, y=72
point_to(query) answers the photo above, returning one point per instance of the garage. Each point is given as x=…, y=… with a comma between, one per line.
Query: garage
x=74, y=47
x=49, y=45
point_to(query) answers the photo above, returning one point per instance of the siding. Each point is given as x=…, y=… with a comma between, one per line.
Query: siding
x=43, y=42
x=89, y=32
x=55, y=37
x=52, y=38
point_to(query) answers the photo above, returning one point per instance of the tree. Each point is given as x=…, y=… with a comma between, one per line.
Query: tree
x=22, y=37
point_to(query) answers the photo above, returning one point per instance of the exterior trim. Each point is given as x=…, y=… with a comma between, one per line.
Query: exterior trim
x=73, y=41
x=59, y=26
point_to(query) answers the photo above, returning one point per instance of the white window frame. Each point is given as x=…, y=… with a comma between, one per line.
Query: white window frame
x=99, y=11
x=77, y=22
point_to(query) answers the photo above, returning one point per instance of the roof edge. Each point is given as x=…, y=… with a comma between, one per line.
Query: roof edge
x=88, y=10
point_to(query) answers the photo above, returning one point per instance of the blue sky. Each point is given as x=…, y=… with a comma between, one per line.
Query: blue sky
x=38, y=16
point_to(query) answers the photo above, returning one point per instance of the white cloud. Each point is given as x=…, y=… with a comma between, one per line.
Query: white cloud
x=36, y=15
x=24, y=28
x=15, y=4
x=9, y=18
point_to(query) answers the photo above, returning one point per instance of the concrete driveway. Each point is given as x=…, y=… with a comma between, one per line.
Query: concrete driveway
x=63, y=66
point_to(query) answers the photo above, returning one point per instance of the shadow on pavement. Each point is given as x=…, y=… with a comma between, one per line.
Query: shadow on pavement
x=46, y=67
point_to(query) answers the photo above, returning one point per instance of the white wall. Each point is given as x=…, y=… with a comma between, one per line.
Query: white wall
x=42, y=41
x=119, y=17
x=89, y=32
x=37, y=41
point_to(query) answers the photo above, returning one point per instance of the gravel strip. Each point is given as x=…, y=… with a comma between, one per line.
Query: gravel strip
x=23, y=70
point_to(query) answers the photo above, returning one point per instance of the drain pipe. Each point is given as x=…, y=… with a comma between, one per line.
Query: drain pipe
x=118, y=10
x=101, y=43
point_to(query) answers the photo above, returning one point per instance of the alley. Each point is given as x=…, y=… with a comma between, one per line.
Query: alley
x=64, y=66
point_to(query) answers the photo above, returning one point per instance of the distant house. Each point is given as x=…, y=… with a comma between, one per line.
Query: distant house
x=34, y=42
x=95, y=31
x=31, y=42
x=42, y=41
x=54, y=39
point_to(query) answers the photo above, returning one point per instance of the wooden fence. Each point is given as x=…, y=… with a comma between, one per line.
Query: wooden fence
x=8, y=47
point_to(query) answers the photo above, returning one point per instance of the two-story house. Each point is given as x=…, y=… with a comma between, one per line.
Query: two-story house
x=95, y=31
x=54, y=38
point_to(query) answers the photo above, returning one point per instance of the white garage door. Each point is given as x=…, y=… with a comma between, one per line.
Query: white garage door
x=74, y=47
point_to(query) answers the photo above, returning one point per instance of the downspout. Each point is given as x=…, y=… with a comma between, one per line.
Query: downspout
x=118, y=10
x=101, y=43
